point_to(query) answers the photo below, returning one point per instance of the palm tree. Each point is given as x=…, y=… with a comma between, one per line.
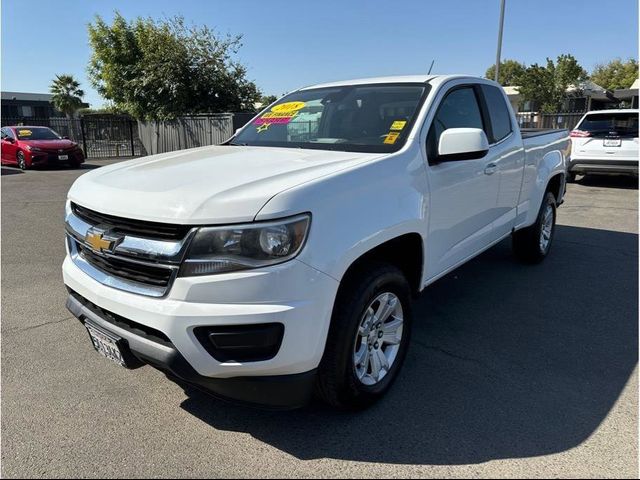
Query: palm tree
x=67, y=94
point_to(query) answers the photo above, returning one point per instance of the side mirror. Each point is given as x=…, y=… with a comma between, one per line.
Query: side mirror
x=462, y=144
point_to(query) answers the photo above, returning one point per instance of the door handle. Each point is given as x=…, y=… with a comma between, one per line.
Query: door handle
x=490, y=169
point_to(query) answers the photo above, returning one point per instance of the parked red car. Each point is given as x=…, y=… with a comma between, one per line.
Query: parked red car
x=28, y=147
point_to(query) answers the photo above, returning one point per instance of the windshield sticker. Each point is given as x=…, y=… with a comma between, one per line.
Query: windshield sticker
x=398, y=125
x=24, y=133
x=279, y=115
x=288, y=107
x=391, y=138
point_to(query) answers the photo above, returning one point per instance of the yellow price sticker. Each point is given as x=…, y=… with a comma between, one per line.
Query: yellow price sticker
x=288, y=107
x=24, y=133
x=391, y=138
x=398, y=125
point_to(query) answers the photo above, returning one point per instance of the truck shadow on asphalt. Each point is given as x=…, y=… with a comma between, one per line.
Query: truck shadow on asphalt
x=506, y=361
x=625, y=182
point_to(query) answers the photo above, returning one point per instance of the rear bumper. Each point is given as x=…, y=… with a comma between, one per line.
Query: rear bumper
x=603, y=165
x=271, y=392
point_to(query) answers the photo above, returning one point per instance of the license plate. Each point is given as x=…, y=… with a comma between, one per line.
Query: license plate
x=63, y=157
x=105, y=344
x=612, y=142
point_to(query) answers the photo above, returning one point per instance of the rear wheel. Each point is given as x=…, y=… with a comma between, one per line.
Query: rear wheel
x=368, y=338
x=532, y=244
x=22, y=163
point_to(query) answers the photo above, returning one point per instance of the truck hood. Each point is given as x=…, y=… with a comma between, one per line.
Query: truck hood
x=208, y=185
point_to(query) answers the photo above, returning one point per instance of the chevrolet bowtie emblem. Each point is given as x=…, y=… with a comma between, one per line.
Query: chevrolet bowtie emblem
x=97, y=241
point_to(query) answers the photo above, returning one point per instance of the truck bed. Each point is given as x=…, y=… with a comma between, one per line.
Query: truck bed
x=536, y=132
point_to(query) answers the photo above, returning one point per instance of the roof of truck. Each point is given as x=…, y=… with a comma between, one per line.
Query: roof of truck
x=390, y=79
x=615, y=110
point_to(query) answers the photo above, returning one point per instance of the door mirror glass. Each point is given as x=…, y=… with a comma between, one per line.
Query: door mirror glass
x=462, y=144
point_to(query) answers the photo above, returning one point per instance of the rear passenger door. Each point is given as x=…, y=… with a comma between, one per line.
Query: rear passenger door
x=463, y=193
x=507, y=153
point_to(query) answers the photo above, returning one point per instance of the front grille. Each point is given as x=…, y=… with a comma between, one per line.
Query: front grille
x=128, y=226
x=136, y=272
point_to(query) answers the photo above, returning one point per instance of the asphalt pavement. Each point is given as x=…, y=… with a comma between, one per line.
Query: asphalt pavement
x=514, y=371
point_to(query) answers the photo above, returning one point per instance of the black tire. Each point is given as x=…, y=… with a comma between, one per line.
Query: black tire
x=571, y=177
x=22, y=163
x=75, y=165
x=527, y=244
x=337, y=383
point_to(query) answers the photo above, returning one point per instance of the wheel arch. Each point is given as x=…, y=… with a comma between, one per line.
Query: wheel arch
x=556, y=185
x=405, y=251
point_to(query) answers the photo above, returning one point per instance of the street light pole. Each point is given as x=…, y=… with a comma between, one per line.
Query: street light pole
x=497, y=69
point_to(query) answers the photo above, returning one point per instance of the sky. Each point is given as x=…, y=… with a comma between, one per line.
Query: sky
x=292, y=43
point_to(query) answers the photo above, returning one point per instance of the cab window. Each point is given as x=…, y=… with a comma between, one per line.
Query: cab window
x=459, y=109
x=498, y=112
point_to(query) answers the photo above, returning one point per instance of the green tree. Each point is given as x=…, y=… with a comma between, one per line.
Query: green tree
x=161, y=69
x=66, y=94
x=268, y=100
x=615, y=74
x=510, y=72
x=547, y=86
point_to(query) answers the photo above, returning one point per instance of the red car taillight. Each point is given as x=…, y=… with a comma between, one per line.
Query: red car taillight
x=579, y=134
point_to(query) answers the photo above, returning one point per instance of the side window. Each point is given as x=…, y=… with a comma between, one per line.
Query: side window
x=498, y=112
x=6, y=133
x=459, y=109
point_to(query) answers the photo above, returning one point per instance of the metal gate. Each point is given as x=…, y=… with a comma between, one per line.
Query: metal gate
x=99, y=136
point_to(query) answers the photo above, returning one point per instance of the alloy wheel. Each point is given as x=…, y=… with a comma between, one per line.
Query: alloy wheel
x=378, y=339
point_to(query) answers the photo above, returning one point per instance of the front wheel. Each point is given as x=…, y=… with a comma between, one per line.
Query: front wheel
x=532, y=244
x=368, y=338
x=22, y=163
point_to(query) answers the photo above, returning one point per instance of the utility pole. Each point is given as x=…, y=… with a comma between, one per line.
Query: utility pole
x=497, y=69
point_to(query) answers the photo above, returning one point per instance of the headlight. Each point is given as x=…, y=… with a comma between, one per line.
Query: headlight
x=33, y=149
x=239, y=247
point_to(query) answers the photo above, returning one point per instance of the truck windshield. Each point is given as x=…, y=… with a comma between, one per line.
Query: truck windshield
x=360, y=118
x=623, y=124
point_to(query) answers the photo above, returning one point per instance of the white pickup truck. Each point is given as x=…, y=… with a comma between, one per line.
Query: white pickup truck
x=285, y=261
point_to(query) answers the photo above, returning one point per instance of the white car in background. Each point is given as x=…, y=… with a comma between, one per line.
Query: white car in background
x=605, y=142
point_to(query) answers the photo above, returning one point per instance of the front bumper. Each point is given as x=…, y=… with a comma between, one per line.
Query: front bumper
x=603, y=165
x=275, y=392
x=293, y=294
x=50, y=158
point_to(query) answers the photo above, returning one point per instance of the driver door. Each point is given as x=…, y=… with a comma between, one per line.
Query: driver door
x=463, y=192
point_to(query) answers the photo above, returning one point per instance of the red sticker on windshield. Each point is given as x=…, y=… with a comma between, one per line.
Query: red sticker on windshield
x=279, y=115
